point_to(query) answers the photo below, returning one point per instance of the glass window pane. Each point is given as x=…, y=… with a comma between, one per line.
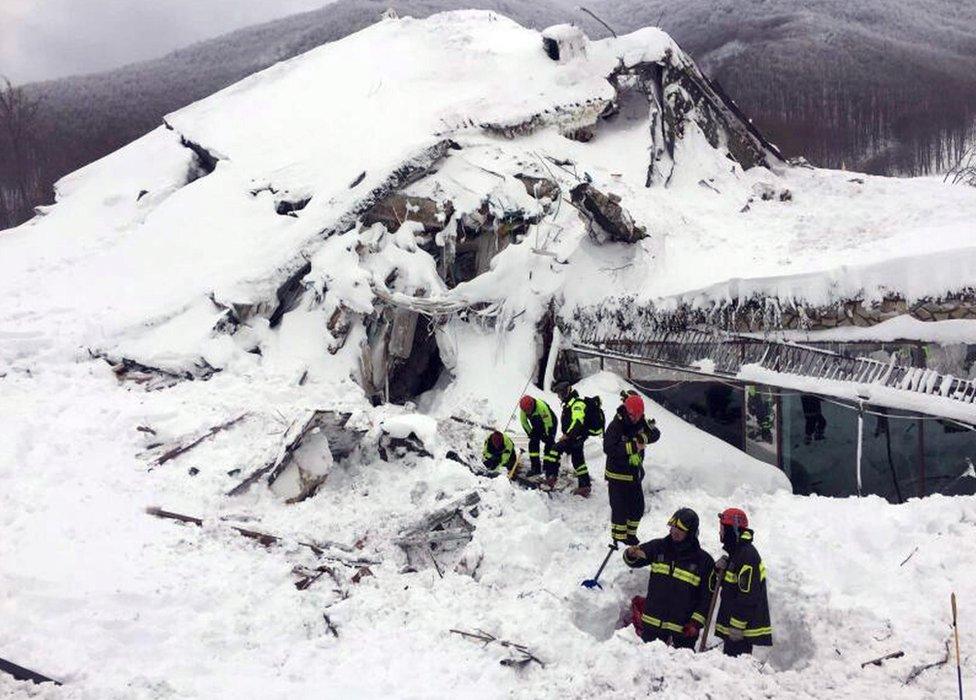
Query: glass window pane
x=950, y=453
x=714, y=407
x=819, y=444
x=889, y=463
x=761, y=423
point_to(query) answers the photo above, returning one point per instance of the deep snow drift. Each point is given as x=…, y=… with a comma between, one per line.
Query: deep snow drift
x=177, y=253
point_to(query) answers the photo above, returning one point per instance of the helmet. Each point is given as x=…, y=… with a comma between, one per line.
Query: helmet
x=634, y=405
x=686, y=520
x=526, y=403
x=734, y=517
x=497, y=440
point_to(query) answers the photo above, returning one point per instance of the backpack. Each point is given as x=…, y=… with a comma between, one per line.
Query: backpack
x=594, y=420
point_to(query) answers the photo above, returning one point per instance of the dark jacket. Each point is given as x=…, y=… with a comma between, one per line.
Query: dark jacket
x=680, y=584
x=504, y=458
x=625, y=461
x=744, y=604
x=540, y=423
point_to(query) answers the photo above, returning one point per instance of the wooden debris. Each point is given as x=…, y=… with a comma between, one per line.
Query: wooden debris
x=329, y=626
x=180, y=449
x=522, y=655
x=919, y=670
x=342, y=442
x=310, y=576
x=267, y=540
x=878, y=661
x=908, y=557
x=24, y=674
x=444, y=530
x=155, y=378
x=361, y=573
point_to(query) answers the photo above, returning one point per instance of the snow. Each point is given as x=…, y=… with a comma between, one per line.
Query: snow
x=118, y=604
x=902, y=327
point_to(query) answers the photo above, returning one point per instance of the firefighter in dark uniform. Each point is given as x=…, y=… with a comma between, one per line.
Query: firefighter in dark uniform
x=624, y=442
x=539, y=423
x=743, y=616
x=573, y=440
x=680, y=584
x=499, y=453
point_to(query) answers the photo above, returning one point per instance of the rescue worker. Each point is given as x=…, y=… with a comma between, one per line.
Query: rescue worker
x=624, y=442
x=499, y=453
x=573, y=440
x=539, y=423
x=743, y=616
x=680, y=584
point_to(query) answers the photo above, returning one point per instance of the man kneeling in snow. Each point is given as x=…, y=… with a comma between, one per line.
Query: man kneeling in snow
x=679, y=587
x=499, y=453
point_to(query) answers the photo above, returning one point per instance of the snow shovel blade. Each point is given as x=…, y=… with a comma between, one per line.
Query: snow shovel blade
x=591, y=583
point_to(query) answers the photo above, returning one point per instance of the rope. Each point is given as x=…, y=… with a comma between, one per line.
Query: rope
x=512, y=414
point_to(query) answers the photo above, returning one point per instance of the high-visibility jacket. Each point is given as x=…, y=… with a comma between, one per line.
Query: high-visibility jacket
x=680, y=584
x=744, y=603
x=573, y=419
x=625, y=460
x=494, y=458
x=540, y=422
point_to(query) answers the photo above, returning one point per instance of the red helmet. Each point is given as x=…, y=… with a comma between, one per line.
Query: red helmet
x=497, y=440
x=734, y=517
x=634, y=405
x=527, y=404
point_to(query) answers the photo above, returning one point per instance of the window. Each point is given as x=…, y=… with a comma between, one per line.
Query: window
x=819, y=445
x=950, y=453
x=890, y=461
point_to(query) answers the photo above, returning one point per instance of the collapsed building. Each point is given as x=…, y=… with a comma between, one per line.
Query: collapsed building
x=586, y=201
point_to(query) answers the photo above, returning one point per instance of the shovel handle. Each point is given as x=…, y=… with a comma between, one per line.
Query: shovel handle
x=711, y=609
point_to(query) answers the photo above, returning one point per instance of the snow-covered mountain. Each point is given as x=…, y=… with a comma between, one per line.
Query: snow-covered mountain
x=211, y=320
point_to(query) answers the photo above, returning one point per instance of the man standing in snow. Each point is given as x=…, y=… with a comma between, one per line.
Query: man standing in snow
x=624, y=442
x=499, y=453
x=573, y=440
x=743, y=616
x=539, y=423
x=680, y=584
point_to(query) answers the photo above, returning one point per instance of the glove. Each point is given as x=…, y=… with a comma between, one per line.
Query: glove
x=735, y=634
x=634, y=552
x=690, y=630
x=723, y=562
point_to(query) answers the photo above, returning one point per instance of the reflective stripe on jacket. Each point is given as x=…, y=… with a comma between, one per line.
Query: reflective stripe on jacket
x=625, y=460
x=679, y=585
x=493, y=458
x=541, y=422
x=744, y=602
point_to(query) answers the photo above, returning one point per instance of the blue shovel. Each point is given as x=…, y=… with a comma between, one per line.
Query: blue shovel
x=594, y=582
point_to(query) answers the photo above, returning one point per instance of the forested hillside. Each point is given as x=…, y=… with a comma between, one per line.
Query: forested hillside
x=878, y=85
x=886, y=87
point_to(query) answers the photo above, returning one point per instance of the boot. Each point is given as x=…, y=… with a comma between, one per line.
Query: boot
x=583, y=491
x=631, y=540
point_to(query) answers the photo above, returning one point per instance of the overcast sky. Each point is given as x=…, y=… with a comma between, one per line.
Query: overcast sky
x=42, y=39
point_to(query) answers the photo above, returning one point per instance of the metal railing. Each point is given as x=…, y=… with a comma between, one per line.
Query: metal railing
x=726, y=354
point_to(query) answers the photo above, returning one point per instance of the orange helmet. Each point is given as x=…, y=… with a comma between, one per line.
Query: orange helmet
x=734, y=517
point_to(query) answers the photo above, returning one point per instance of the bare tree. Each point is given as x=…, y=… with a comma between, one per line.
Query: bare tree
x=19, y=167
x=964, y=171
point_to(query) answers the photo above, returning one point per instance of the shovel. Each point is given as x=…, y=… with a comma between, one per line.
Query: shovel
x=594, y=582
